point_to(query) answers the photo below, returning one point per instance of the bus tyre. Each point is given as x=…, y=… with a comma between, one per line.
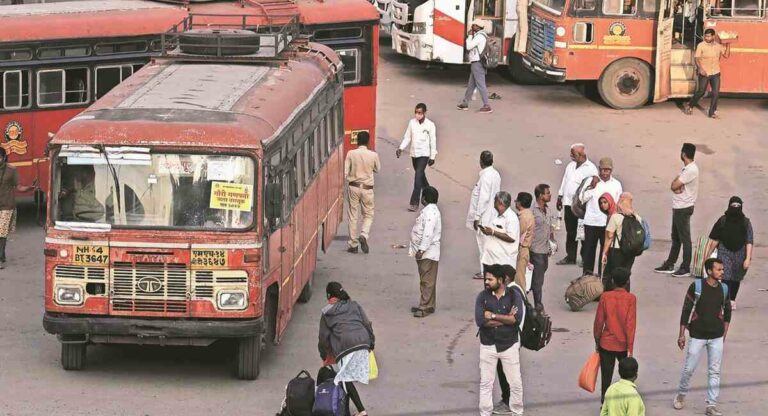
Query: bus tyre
x=626, y=84
x=206, y=41
x=73, y=356
x=517, y=70
x=249, y=357
x=306, y=292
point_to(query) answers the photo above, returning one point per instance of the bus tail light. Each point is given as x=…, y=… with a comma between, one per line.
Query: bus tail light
x=252, y=257
x=419, y=28
x=50, y=252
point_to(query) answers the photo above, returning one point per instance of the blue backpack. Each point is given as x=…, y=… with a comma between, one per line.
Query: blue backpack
x=330, y=400
x=697, y=292
x=647, y=240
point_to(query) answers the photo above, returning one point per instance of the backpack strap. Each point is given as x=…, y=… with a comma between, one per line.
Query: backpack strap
x=697, y=285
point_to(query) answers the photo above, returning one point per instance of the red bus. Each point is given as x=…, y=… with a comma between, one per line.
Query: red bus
x=349, y=27
x=56, y=59
x=188, y=204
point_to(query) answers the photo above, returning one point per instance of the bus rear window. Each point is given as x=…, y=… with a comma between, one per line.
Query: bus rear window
x=62, y=87
x=338, y=33
x=351, y=60
x=15, y=89
x=16, y=55
x=123, y=47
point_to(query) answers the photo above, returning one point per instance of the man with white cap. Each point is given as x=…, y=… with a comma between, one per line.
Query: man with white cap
x=595, y=219
x=475, y=44
x=575, y=173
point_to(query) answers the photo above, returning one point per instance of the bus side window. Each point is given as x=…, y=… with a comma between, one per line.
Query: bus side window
x=743, y=8
x=351, y=60
x=15, y=89
x=584, y=5
x=107, y=77
x=620, y=7
x=273, y=204
x=62, y=86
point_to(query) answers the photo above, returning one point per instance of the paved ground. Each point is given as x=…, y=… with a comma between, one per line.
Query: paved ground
x=429, y=366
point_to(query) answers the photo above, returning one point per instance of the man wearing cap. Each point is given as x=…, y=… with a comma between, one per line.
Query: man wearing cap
x=685, y=190
x=527, y=223
x=594, y=219
x=576, y=171
x=475, y=44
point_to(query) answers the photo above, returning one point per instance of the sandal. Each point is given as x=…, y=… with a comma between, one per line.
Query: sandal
x=687, y=109
x=478, y=276
x=421, y=313
x=363, y=413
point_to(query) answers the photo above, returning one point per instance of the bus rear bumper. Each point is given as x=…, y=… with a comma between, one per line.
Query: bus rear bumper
x=412, y=45
x=550, y=73
x=64, y=324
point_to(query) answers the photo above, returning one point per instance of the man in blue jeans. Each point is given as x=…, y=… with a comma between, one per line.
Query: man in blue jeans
x=708, y=327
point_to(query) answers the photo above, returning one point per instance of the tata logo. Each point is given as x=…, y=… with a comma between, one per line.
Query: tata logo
x=149, y=284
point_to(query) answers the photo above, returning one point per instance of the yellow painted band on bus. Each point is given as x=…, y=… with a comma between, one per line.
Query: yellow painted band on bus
x=29, y=162
x=608, y=47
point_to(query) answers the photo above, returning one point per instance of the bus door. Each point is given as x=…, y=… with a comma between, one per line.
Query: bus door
x=287, y=274
x=275, y=211
x=663, y=64
x=492, y=12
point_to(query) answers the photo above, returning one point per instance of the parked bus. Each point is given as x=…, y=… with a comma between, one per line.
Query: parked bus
x=349, y=27
x=57, y=58
x=436, y=31
x=640, y=51
x=189, y=203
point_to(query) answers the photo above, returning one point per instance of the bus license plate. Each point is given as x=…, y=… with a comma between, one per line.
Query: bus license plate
x=209, y=259
x=91, y=255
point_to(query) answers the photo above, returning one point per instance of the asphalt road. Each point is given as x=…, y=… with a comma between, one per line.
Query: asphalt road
x=430, y=366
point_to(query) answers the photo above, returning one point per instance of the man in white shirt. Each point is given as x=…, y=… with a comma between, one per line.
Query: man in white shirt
x=502, y=235
x=579, y=169
x=481, y=210
x=422, y=137
x=425, y=246
x=476, y=42
x=594, y=219
x=685, y=190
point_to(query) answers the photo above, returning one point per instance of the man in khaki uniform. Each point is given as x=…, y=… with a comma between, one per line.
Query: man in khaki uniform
x=708, y=55
x=359, y=167
x=527, y=223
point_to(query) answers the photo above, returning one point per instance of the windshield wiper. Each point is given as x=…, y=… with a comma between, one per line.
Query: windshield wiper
x=112, y=171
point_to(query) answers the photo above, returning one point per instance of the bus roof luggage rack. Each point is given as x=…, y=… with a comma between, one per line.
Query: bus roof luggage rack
x=235, y=38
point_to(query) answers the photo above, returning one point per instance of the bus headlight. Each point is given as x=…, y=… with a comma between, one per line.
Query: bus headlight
x=560, y=31
x=69, y=295
x=419, y=28
x=232, y=300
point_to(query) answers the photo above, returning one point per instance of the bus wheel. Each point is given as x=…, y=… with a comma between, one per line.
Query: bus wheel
x=306, y=292
x=626, y=84
x=249, y=357
x=517, y=70
x=72, y=355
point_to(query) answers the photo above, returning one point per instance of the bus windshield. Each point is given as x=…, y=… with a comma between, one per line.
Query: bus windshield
x=555, y=6
x=133, y=188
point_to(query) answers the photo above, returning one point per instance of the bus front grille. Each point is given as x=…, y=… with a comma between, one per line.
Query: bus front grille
x=149, y=287
x=203, y=281
x=66, y=271
x=541, y=37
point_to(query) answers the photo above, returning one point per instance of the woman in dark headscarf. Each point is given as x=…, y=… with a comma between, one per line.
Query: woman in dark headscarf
x=732, y=236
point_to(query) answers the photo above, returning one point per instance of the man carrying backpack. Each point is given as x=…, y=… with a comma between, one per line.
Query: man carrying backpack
x=498, y=314
x=708, y=327
x=476, y=42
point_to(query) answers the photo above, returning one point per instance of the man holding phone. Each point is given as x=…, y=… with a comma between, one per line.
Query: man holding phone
x=502, y=235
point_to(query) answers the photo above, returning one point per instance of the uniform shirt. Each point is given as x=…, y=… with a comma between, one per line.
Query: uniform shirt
x=542, y=231
x=527, y=224
x=573, y=177
x=614, y=226
x=475, y=45
x=8, y=182
x=360, y=165
x=622, y=399
x=709, y=55
x=593, y=216
x=422, y=138
x=481, y=203
x=496, y=251
x=616, y=320
x=711, y=312
x=505, y=336
x=425, y=235
x=689, y=176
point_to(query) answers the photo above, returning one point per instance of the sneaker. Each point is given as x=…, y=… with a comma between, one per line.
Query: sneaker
x=363, y=244
x=501, y=408
x=665, y=268
x=679, y=402
x=478, y=276
x=485, y=110
x=352, y=250
x=413, y=208
x=565, y=261
x=681, y=273
x=415, y=309
x=462, y=106
x=713, y=411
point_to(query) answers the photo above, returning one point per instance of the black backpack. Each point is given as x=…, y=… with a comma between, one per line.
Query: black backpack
x=632, y=241
x=299, y=396
x=536, y=329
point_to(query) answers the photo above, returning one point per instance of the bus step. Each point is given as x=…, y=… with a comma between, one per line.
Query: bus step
x=683, y=72
x=682, y=88
x=682, y=56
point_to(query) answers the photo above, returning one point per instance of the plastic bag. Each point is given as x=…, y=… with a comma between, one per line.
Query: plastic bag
x=373, y=367
x=580, y=231
x=588, y=375
x=528, y=277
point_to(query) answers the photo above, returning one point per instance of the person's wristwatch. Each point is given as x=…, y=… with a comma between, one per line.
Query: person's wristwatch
x=493, y=316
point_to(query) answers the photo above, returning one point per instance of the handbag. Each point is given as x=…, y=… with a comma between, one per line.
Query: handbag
x=373, y=367
x=588, y=374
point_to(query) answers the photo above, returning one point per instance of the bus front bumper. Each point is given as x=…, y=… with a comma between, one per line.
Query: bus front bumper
x=547, y=72
x=64, y=324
